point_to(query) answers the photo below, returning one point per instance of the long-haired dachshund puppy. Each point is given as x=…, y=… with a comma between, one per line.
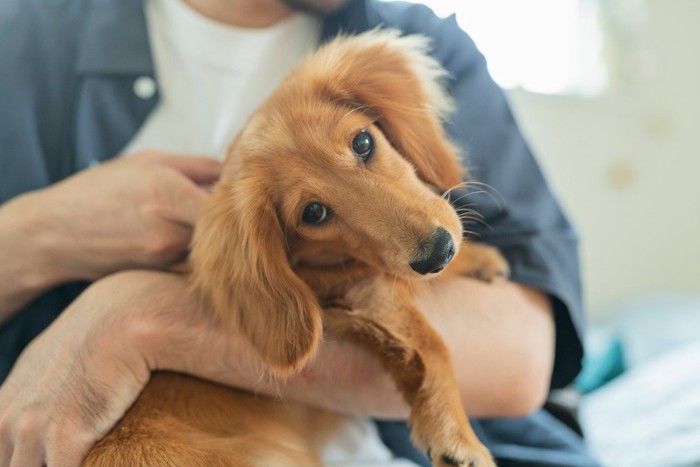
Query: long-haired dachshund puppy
x=330, y=207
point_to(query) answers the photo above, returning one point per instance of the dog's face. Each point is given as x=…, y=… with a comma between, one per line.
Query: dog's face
x=343, y=163
x=343, y=193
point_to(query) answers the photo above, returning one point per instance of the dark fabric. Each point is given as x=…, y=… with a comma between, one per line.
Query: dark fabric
x=21, y=329
x=66, y=78
x=536, y=440
x=520, y=214
x=67, y=69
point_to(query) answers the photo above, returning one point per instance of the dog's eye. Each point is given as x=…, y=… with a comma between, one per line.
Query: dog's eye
x=315, y=213
x=363, y=145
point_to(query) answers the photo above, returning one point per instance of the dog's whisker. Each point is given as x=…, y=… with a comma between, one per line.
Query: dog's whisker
x=471, y=233
x=484, y=223
x=467, y=209
x=474, y=182
x=447, y=192
x=499, y=205
x=466, y=212
x=489, y=190
x=471, y=215
x=467, y=193
x=474, y=220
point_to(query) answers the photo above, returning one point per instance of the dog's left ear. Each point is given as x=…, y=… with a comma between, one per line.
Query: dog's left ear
x=394, y=80
x=240, y=266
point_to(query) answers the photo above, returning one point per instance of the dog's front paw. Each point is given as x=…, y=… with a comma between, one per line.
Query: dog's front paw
x=451, y=445
x=478, y=456
x=481, y=262
x=492, y=268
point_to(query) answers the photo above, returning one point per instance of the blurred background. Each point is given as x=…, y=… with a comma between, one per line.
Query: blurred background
x=608, y=94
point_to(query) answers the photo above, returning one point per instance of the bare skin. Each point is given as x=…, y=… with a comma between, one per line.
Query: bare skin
x=136, y=212
x=138, y=321
x=242, y=13
x=259, y=13
x=130, y=323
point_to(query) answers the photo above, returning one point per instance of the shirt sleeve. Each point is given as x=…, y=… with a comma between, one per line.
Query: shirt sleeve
x=521, y=216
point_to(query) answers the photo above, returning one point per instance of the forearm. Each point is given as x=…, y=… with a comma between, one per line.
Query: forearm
x=184, y=336
x=500, y=336
x=24, y=273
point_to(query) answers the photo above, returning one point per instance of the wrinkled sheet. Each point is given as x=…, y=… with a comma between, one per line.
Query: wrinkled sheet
x=650, y=416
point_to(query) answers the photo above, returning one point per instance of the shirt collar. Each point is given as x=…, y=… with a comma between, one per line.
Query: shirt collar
x=115, y=40
x=354, y=17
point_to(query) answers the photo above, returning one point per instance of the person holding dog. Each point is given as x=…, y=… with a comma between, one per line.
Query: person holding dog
x=87, y=237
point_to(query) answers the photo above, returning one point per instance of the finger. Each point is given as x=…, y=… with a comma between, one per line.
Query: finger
x=5, y=438
x=27, y=453
x=200, y=169
x=185, y=203
x=68, y=452
x=69, y=457
x=5, y=450
x=181, y=237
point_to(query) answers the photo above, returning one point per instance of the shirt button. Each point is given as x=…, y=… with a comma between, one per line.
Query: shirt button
x=144, y=87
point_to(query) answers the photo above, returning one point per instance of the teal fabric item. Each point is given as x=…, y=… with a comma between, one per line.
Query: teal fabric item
x=601, y=367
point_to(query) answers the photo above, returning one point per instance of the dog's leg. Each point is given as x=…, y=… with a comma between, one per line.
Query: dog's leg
x=480, y=261
x=380, y=315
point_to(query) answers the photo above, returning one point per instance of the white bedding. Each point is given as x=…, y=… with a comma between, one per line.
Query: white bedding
x=650, y=416
x=357, y=444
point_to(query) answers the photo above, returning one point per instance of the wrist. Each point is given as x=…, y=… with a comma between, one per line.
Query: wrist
x=175, y=331
x=39, y=237
x=164, y=327
x=27, y=267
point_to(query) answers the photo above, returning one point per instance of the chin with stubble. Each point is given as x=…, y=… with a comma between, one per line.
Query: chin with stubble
x=319, y=7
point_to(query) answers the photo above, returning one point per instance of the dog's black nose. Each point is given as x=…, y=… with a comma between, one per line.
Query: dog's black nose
x=440, y=249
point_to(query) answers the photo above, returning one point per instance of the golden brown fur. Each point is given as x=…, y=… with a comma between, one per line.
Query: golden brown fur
x=281, y=282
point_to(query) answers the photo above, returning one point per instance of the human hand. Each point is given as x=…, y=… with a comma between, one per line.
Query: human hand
x=71, y=383
x=133, y=212
x=77, y=379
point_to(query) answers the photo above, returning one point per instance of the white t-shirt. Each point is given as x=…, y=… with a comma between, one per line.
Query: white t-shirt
x=211, y=77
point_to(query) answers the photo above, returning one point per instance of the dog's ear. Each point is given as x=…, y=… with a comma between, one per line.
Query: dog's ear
x=394, y=80
x=240, y=265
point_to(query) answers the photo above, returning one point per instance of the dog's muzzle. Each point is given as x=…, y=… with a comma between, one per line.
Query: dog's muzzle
x=441, y=250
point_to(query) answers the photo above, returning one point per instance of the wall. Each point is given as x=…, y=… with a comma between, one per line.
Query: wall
x=627, y=164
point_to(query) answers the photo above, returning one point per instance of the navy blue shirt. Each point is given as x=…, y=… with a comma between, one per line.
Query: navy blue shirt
x=67, y=73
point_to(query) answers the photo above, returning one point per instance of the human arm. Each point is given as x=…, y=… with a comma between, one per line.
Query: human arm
x=77, y=378
x=500, y=337
x=134, y=212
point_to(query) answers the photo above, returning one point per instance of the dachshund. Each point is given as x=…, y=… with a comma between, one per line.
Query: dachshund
x=331, y=208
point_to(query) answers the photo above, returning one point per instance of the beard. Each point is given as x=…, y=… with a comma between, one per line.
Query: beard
x=317, y=7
